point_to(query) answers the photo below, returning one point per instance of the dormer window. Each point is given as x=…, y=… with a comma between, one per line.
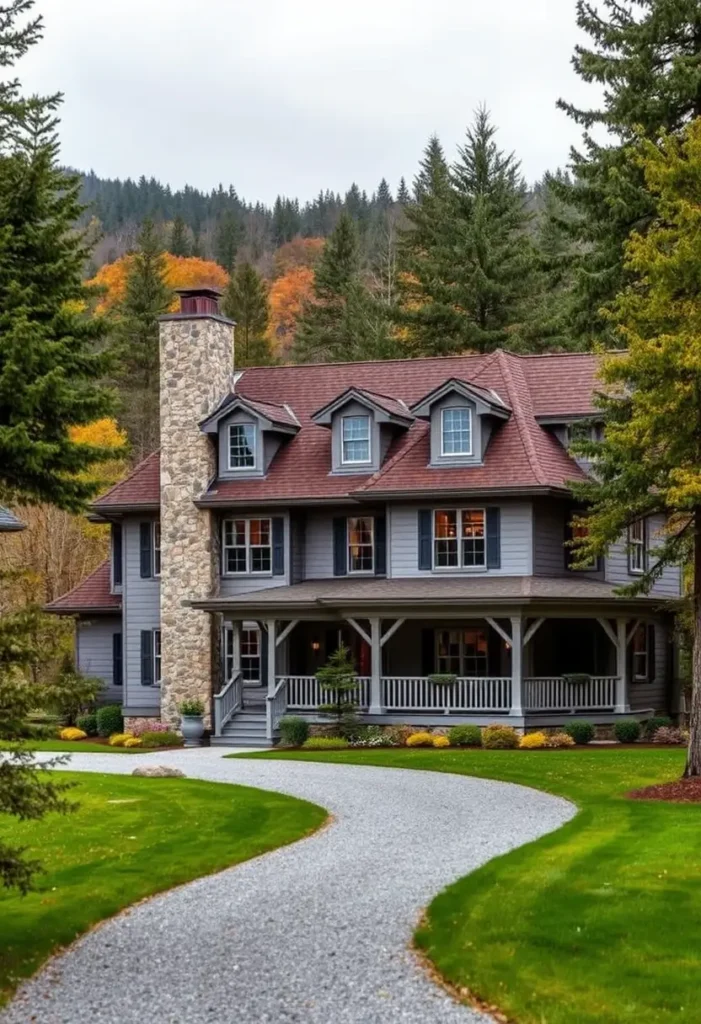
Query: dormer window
x=355, y=440
x=456, y=431
x=242, y=446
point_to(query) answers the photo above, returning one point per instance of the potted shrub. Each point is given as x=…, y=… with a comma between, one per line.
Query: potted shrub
x=191, y=721
x=443, y=679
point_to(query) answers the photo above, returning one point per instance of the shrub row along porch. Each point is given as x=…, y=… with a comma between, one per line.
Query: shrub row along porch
x=510, y=657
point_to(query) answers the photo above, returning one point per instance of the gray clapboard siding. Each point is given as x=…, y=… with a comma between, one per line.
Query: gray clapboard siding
x=654, y=694
x=231, y=586
x=93, y=653
x=318, y=546
x=549, y=553
x=616, y=564
x=141, y=601
x=516, y=539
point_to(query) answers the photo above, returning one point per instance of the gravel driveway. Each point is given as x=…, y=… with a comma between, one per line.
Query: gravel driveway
x=316, y=932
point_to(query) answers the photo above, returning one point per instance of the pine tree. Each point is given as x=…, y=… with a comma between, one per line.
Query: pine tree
x=403, y=196
x=179, y=238
x=246, y=301
x=646, y=57
x=136, y=341
x=227, y=241
x=384, y=196
x=650, y=458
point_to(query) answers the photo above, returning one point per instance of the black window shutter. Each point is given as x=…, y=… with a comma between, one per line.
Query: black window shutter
x=651, y=653
x=116, y=554
x=425, y=539
x=278, y=546
x=340, y=561
x=146, y=549
x=117, y=673
x=146, y=657
x=568, y=538
x=494, y=538
x=428, y=652
x=264, y=657
x=380, y=546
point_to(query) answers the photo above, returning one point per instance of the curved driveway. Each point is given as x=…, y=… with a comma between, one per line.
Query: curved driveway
x=316, y=932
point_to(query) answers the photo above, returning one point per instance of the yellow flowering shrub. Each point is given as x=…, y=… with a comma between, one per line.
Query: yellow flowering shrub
x=71, y=733
x=441, y=741
x=533, y=741
x=117, y=739
x=420, y=739
x=559, y=739
x=132, y=741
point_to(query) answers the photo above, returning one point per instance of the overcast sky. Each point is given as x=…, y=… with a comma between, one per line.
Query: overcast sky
x=292, y=96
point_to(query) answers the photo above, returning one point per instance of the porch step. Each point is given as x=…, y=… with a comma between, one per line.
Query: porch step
x=245, y=729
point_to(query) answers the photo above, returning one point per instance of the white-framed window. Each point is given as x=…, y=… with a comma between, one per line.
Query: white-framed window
x=637, y=547
x=247, y=547
x=462, y=652
x=456, y=431
x=355, y=439
x=242, y=445
x=459, y=538
x=361, y=544
x=156, y=548
x=640, y=655
x=157, y=657
x=250, y=654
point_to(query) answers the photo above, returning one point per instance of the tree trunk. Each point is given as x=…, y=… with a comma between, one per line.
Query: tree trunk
x=693, y=761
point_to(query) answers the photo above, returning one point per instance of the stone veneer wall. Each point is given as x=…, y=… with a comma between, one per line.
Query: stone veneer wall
x=196, y=360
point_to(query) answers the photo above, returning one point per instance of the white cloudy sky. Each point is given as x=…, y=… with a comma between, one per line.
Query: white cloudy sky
x=295, y=95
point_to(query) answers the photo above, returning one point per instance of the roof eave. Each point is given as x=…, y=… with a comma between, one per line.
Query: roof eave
x=122, y=510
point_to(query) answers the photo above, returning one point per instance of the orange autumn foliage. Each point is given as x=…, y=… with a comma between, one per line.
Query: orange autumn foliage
x=286, y=297
x=180, y=272
x=299, y=252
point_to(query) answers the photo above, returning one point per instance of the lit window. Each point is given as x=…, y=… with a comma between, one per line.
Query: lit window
x=640, y=655
x=156, y=548
x=242, y=446
x=459, y=538
x=456, y=432
x=157, y=656
x=361, y=544
x=246, y=546
x=462, y=652
x=637, y=547
x=355, y=439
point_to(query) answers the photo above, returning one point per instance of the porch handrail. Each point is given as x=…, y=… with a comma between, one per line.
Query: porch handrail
x=304, y=693
x=557, y=693
x=275, y=706
x=467, y=693
x=227, y=702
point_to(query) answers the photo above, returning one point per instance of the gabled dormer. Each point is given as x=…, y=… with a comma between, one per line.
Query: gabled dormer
x=363, y=424
x=461, y=417
x=248, y=434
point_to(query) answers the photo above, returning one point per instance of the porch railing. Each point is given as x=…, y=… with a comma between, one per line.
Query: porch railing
x=304, y=693
x=418, y=693
x=275, y=707
x=227, y=702
x=553, y=693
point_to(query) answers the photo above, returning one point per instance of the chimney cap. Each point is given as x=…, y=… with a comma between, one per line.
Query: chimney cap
x=205, y=290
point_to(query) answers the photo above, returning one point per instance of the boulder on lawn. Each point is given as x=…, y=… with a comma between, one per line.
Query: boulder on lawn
x=159, y=771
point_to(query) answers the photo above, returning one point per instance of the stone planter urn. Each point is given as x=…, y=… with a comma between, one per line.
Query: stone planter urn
x=192, y=721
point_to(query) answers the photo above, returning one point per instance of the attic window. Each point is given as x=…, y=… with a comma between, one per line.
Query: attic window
x=355, y=439
x=242, y=446
x=456, y=431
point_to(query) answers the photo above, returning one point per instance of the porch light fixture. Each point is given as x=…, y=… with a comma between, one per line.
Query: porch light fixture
x=507, y=645
x=316, y=646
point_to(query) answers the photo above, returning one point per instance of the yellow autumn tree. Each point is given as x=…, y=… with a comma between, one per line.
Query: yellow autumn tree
x=179, y=272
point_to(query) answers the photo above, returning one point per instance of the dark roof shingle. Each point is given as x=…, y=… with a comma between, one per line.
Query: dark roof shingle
x=92, y=595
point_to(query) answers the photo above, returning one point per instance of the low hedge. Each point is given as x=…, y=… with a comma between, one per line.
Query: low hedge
x=109, y=720
x=627, y=730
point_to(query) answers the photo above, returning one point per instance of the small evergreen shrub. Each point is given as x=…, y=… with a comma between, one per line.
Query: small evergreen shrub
x=71, y=733
x=499, y=737
x=420, y=739
x=161, y=739
x=557, y=740
x=441, y=741
x=325, y=743
x=533, y=741
x=88, y=723
x=191, y=708
x=293, y=731
x=668, y=734
x=109, y=720
x=653, y=724
x=465, y=736
x=581, y=732
x=627, y=730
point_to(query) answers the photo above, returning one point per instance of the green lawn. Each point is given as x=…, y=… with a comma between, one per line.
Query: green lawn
x=79, y=746
x=599, y=921
x=131, y=838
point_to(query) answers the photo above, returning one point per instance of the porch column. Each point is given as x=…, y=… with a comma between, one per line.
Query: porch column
x=375, y=668
x=622, y=705
x=516, y=666
x=236, y=645
x=272, y=659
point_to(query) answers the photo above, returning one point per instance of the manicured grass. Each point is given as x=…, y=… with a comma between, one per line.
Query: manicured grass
x=131, y=838
x=599, y=921
x=79, y=746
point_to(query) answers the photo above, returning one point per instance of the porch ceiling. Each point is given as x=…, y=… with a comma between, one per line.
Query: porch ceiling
x=421, y=594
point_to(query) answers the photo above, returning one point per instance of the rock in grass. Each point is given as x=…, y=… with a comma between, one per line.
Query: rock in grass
x=159, y=771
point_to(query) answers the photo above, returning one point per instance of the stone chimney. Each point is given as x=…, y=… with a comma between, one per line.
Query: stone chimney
x=196, y=371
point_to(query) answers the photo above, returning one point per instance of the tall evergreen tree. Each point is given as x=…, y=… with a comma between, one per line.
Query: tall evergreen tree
x=179, y=244
x=227, y=241
x=645, y=56
x=383, y=198
x=246, y=301
x=403, y=195
x=136, y=341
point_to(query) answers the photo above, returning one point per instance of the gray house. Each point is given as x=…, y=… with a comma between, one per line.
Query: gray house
x=416, y=511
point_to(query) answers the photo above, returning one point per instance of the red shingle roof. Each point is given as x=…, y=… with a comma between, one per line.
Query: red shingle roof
x=92, y=595
x=521, y=454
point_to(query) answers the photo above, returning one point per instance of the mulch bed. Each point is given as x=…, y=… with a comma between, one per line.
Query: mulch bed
x=681, y=791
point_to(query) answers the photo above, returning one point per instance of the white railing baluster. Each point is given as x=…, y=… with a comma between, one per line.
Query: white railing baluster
x=553, y=693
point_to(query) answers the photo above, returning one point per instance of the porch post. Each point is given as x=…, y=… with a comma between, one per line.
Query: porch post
x=622, y=705
x=272, y=659
x=375, y=668
x=516, y=665
x=236, y=631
